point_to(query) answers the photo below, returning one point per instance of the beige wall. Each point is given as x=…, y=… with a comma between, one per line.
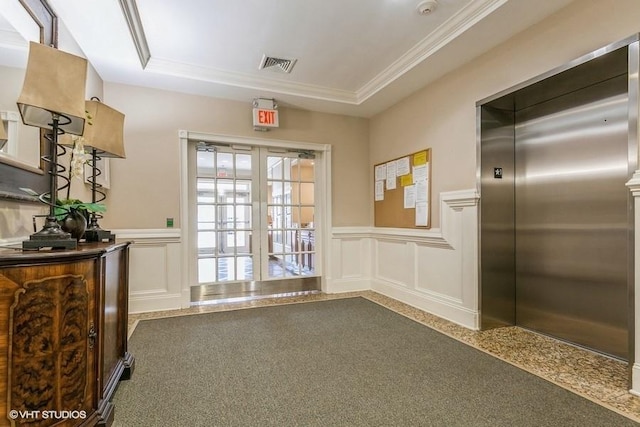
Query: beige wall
x=145, y=186
x=443, y=115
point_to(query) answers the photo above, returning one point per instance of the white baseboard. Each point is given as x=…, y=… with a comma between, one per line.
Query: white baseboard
x=440, y=307
x=347, y=285
x=143, y=304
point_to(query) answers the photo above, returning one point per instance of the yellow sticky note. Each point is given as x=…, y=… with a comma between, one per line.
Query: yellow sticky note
x=420, y=158
x=406, y=180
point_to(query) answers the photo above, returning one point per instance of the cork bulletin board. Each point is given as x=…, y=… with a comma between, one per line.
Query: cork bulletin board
x=402, y=191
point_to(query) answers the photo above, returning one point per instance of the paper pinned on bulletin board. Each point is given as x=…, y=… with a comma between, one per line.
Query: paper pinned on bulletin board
x=381, y=172
x=403, y=166
x=379, y=191
x=420, y=158
x=391, y=175
x=422, y=214
x=410, y=197
x=402, y=191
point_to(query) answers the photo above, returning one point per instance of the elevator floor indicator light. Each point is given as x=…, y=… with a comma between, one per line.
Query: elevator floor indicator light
x=497, y=173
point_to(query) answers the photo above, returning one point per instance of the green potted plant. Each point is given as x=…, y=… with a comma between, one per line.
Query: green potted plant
x=73, y=214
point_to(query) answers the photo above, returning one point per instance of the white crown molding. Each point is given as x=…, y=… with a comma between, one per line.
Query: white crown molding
x=466, y=18
x=243, y=80
x=132, y=16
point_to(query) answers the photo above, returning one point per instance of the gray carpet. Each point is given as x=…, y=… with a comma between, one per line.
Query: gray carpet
x=347, y=362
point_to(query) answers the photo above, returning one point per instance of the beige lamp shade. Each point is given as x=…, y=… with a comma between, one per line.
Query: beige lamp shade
x=104, y=130
x=54, y=84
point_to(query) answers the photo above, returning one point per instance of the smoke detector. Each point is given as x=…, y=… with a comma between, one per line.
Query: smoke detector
x=426, y=7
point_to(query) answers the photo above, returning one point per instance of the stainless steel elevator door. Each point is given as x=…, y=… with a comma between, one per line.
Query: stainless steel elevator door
x=571, y=163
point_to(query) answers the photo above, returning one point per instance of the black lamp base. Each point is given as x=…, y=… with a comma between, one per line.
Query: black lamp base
x=99, y=235
x=51, y=236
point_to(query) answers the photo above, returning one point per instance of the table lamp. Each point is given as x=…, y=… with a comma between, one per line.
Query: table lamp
x=103, y=137
x=52, y=98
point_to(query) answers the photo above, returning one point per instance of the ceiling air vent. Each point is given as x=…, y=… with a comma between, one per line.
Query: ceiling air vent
x=277, y=64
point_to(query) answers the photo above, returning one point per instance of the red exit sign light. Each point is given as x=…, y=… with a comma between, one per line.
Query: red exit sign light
x=265, y=118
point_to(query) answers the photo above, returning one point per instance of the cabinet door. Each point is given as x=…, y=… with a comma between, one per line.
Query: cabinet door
x=52, y=349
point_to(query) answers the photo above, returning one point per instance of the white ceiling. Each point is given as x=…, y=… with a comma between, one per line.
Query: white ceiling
x=354, y=57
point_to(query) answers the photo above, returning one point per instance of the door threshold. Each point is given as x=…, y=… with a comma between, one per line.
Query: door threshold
x=245, y=291
x=224, y=300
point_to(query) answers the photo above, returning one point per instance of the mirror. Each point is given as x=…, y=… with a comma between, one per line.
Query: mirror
x=21, y=166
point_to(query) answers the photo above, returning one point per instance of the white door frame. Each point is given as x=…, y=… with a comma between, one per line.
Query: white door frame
x=323, y=200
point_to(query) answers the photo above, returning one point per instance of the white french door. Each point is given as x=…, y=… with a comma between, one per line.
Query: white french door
x=255, y=215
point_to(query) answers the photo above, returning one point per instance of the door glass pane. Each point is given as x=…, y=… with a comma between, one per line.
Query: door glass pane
x=307, y=196
x=243, y=217
x=225, y=165
x=306, y=217
x=243, y=191
x=245, y=268
x=205, y=161
x=226, y=269
x=206, y=190
x=243, y=166
x=307, y=170
x=290, y=241
x=275, y=216
x=287, y=168
x=222, y=242
x=224, y=188
x=243, y=242
x=290, y=263
x=274, y=165
x=276, y=191
x=277, y=241
x=206, y=240
x=206, y=217
x=206, y=270
x=225, y=216
x=295, y=216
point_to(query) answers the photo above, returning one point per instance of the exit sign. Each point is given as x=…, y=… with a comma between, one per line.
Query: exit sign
x=263, y=117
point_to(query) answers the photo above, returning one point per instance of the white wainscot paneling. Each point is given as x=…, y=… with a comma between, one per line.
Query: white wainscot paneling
x=154, y=269
x=349, y=260
x=434, y=270
x=393, y=262
x=438, y=273
x=353, y=264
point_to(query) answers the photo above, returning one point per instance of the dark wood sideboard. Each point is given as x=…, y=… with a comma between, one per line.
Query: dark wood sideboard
x=63, y=334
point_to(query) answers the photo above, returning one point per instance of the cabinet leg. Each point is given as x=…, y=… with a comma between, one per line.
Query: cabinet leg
x=105, y=413
x=129, y=366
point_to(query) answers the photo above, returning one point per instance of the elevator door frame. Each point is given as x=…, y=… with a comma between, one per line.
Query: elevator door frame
x=496, y=275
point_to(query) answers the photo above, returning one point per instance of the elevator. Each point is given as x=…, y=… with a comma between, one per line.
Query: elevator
x=556, y=219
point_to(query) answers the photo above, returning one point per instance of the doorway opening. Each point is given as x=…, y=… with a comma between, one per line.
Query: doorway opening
x=254, y=221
